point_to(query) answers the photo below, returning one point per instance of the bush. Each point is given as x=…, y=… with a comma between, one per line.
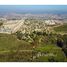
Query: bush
x=59, y=42
x=1, y=24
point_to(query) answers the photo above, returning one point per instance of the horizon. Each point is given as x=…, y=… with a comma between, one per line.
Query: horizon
x=34, y=9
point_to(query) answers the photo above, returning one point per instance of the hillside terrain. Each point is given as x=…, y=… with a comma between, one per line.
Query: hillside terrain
x=62, y=28
x=33, y=40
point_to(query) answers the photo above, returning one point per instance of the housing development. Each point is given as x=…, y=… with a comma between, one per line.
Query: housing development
x=27, y=25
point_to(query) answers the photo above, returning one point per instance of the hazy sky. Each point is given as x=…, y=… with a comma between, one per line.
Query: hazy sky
x=34, y=8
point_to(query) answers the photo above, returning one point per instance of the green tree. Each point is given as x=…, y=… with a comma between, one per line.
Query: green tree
x=19, y=35
x=1, y=23
x=59, y=42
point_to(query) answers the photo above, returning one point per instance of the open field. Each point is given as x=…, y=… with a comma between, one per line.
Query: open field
x=62, y=28
x=12, y=49
x=10, y=42
x=49, y=52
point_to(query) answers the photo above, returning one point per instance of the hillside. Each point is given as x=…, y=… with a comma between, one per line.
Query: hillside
x=12, y=49
x=61, y=29
x=42, y=48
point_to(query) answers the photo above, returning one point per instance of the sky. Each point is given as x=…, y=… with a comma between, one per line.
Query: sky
x=38, y=9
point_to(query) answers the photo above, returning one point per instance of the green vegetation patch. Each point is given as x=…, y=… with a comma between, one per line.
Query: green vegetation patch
x=49, y=53
x=10, y=42
x=12, y=49
x=62, y=28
